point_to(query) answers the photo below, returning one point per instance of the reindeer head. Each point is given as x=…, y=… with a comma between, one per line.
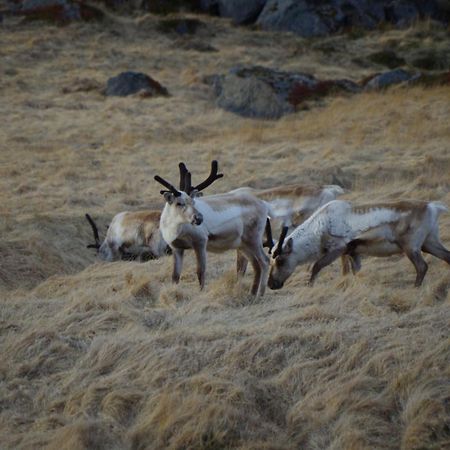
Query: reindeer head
x=180, y=204
x=282, y=262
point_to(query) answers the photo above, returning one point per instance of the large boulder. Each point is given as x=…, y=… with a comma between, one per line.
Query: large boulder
x=128, y=83
x=265, y=93
x=251, y=97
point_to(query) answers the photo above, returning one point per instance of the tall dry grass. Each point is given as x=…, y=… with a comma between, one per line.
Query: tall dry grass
x=113, y=356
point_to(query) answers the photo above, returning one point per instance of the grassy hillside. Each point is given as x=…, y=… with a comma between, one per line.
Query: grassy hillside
x=113, y=356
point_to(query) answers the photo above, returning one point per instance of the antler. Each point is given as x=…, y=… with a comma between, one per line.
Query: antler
x=95, y=230
x=168, y=186
x=183, y=172
x=188, y=184
x=281, y=242
x=213, y=176
x=269, y=239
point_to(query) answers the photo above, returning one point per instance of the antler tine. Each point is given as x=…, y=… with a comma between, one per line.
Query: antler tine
x=213, y=176
x=269, y=239
x=95, y=231
x=188, y=185
x=279, y=248
x=167, y=185
x=183, y=172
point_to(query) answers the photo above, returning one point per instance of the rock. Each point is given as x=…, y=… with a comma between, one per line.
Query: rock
x=386, y=79
x=265, y=93
x=250, y=97
x=127, y=83
x=292, y=15
x=241, y=11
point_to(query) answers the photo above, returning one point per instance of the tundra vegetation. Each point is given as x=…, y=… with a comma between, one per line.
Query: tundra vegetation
x=113, y=355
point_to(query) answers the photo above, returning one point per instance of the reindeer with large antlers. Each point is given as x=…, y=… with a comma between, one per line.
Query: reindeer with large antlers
x=340, y=228
x=216, y=223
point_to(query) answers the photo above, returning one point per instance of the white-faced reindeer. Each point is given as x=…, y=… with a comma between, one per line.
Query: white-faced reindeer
x=131, y=235
x=339, y=228
x=216, y=223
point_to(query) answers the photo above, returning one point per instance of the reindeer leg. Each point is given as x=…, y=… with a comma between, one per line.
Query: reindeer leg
x=260, y=263
x=326, y=260
x=419, y=263
x=177, y=264
x=435, y=248
x=345, y=262
x=200, y=254
x=241, y=264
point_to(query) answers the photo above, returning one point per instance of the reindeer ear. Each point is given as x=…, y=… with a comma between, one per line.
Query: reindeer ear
x=168, y=197
x=288, y=247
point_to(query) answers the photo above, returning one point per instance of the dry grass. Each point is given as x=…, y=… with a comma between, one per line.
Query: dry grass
x=113, y=356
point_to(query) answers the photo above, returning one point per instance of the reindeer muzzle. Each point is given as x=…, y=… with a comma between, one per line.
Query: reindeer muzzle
x=198, y=219
x=274, y=284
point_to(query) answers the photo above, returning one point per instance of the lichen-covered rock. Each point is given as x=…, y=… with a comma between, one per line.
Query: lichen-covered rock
x=265, y=93
x=251, y=97
x=127, y=83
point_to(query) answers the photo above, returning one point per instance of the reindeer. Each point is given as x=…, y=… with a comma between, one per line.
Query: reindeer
x=291, y=204
x=294, y=203
x=339, y=228
x=131, y=235
x=216, y=223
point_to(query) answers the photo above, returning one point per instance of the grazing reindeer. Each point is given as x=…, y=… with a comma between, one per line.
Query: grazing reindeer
x=294, y=203
x=339, y=228
x=216, y=223
x=131, y=235
x=291, y=204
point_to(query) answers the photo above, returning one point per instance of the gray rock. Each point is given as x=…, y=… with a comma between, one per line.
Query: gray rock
x=127, y=83
x=250, y=97
x=291, y=15
x=241, y=11
x=389, y=78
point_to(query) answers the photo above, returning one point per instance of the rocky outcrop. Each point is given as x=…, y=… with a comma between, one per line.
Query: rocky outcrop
x=306, y=18
x=265, y=93
x=128, y=83
x=310, y=18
